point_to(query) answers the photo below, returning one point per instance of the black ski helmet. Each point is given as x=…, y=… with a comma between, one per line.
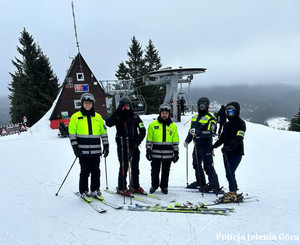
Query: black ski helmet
x=203, y=103
x=87, y=97
x=124, y=101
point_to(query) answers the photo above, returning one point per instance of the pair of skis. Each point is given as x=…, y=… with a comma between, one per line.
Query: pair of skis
x=179, y=208
x=95, y=206
x=137, y=198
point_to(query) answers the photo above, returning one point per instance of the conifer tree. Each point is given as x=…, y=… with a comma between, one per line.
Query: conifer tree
x=34, y=86
x=137, y=67
x=295, y=122
x=153, y=94
x=136, y=63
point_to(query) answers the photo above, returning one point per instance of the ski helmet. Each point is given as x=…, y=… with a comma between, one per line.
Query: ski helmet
x=203, y=103
x=87, y=97
x=165, y=107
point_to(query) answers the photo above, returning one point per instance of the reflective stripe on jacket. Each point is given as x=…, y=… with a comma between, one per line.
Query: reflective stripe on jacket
x=162, y=140
x=86, y=132
x=205, y=126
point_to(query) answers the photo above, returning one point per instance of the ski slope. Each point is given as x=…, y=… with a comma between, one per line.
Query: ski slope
x=33, y=165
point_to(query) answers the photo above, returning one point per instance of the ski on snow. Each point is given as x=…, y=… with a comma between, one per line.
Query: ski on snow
x=90, y=202
x=176, y=209
x=112, y=205
x=133, y=197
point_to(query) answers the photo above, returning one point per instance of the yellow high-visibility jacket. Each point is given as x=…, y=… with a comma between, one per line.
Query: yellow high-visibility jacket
x=162, y=140
x=86, y=132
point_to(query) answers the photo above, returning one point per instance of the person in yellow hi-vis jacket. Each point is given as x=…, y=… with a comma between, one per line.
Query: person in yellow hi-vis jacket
x=162, y=148
x=86, y=131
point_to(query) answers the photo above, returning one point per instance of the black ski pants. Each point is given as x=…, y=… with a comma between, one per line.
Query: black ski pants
x=89, y=165
x=135, y=172
x=203, y=154
x=156, y=165
x=231, y=163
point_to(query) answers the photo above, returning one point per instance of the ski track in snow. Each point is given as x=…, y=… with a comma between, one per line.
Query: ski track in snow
x=34, y=164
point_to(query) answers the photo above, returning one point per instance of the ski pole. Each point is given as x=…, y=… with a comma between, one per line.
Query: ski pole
x=106, y=173
x=129, y=168
x=187, y=163
x=187, y=121
x=123, y=167
x=66, y=177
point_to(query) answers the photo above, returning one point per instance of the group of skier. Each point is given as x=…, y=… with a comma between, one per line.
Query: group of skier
x=87, y=130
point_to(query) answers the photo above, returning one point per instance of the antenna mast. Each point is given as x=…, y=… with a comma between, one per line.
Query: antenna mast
x=77, y=43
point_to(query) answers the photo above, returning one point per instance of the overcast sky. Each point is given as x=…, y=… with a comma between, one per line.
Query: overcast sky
x=238, y=41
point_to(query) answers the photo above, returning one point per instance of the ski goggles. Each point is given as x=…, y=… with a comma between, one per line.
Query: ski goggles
x=88, y=97
x=230, y=112
x=202, y=106
x=165, y=108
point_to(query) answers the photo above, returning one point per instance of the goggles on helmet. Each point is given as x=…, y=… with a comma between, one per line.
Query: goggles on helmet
x=230, y=112
x=88, y=97
x=165, y=108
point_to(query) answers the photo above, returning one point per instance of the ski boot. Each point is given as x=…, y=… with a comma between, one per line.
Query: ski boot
x=194, y=185
x=97, y=194
x=139, y=190
x=164, y=190
x=125, y=192
x=152, y=190
x=205, y=189
x=85, y=196
x=229, y=197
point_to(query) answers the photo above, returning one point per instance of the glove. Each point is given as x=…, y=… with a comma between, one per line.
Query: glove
x=193, y=132
x=77, y=151
x=105, y=151
x=225, y=149
x=176, y=156
x=148, y=155
x=118, y=111
x=185, y=144
x=211, y=148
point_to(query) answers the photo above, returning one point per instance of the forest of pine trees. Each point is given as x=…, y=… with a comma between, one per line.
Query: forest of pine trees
x=34, y=86
x=140, y=62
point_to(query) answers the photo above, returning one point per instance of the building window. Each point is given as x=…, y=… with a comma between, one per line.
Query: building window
x=77, y=104
x=69, y=82
x=80, y=76
x=64, y=114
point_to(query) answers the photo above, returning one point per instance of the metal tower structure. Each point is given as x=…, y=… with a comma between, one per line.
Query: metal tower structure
x=171, y=78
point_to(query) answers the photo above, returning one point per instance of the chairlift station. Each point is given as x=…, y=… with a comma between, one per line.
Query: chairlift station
x=171, y=78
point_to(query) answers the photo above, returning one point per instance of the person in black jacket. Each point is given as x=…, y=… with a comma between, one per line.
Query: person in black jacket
x=233, y=147
x=130, y=132
x=221, y=119
x=202, y=129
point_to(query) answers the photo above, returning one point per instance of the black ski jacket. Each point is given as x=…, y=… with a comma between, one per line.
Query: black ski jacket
x=233, y=134
x=127, y=125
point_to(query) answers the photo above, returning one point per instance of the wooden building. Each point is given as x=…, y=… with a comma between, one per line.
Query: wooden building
x=79, y=79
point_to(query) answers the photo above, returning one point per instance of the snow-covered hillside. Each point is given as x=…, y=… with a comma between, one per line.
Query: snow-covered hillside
x=278, y=123
x=33, y=165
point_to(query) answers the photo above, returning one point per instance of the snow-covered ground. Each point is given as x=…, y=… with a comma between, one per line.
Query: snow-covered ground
x=33, y=165
x=278, y=123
